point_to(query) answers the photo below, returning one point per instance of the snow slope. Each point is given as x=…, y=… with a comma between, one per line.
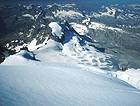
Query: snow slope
x=131, y=76
x=56, y=84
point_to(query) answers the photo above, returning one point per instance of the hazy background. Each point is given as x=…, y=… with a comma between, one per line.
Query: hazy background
x=90, y=2
x=88, y=5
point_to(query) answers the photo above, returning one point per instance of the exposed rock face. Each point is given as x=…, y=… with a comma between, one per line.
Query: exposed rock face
x=4, y=52
x=2, y=27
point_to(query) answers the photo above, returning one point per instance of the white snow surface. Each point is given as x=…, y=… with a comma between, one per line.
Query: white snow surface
x=131, y=76
x=56, y=29
x=52, y=45
x=21, y=58
x=32, y=46
x=62, y=85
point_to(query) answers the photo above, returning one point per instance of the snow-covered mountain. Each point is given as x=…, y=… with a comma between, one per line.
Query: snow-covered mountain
x=125, y=17
x=68, y=53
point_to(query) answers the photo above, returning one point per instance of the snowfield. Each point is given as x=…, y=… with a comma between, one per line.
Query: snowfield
x=55, y=84
x=62, y=84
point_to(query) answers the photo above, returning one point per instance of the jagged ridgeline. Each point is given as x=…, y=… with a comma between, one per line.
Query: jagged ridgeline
x=113, y=28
